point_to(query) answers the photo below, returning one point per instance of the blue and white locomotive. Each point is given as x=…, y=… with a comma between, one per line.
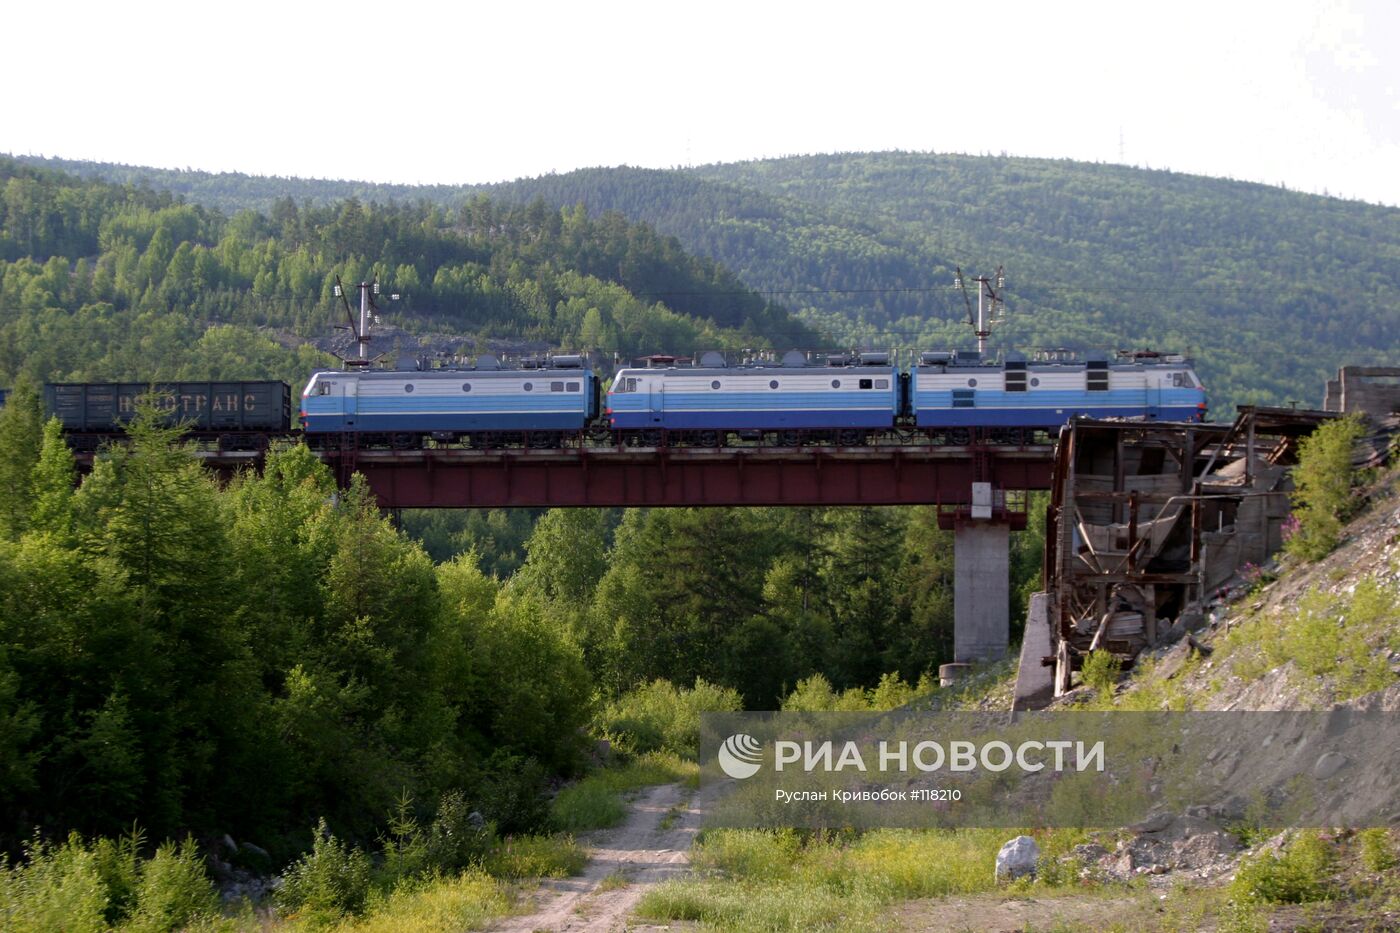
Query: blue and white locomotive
x=787, y=400
x=485, y=406
x=959, y=390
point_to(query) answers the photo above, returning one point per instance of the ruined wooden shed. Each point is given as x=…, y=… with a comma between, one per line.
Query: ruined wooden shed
x=1147, y=520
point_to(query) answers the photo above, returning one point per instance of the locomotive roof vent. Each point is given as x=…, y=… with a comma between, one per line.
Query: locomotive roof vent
x=967, y=357
x=838, y=359
x=794, y=359
x=875, y=358
x=567, y=361
x=712, y=359
x=936, y=357
x=487, y=362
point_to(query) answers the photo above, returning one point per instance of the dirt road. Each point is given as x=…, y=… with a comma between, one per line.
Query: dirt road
x=652, y=845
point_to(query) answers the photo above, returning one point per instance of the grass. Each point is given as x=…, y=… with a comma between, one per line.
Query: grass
x=596, y=802
x=469, y=901
x=518, y=857
x=613, y=882
x=1338, y=637
x=787, y=880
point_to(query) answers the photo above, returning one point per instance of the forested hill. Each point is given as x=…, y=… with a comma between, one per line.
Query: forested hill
x=1269, y=289
x=105, y=281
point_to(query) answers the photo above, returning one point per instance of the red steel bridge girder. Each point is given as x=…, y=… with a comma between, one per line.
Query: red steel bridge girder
x=448, y=478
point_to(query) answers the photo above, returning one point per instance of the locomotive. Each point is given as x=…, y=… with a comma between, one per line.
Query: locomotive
x=843, y=399
x=946, y=395
x=487, y=406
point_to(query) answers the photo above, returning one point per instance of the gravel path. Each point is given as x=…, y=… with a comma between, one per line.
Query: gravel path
x=630, y=858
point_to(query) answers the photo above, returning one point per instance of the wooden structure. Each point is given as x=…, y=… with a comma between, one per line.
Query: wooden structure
x=1148, y=519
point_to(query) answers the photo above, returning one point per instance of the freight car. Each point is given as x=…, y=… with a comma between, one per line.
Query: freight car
x=952, y=393
x=789, y=401
x=486, y=406
x=236, y=415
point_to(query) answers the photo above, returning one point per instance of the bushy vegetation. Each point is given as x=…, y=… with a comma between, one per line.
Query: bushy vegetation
x=1101, y=671
x=95, y=886
x=659, y=716
x=1299, y=874
x=1322, y=499
x=1343, y=639
x=787, y=880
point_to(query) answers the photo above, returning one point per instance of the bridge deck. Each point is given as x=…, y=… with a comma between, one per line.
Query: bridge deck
x=888, y=475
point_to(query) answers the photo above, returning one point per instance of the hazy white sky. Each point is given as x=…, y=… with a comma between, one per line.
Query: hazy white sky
x=1301, y=93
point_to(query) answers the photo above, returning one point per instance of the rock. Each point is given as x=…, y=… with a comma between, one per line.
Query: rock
x=1090, y=853
x=259, y=851
x=1017, y=859
x=229, y=843
x=1204, y=850
x=1154, y=823
x=475, y=819
x=1329, y=764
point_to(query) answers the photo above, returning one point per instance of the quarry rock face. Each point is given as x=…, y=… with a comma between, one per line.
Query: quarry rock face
x=1017, y=859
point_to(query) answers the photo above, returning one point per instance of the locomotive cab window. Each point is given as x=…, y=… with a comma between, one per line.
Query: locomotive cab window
x=630, y=386
x=323, y=388
x=1183, y=381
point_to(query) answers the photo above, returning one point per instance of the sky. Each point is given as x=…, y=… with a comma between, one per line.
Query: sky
x=1303, y=94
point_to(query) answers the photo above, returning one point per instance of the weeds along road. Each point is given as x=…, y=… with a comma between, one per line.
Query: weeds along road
x=651, y=846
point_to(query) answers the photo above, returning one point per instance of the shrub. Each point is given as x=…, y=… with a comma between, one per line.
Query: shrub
x=173, y=890
x=330, y=881
x=55, y=889
x=1377, y=849
x=660, y=716
x=455, y=840
x=589, y=804
x=1322, y=483
x=1101, y=670
x=513, y=793
x=1298, y=876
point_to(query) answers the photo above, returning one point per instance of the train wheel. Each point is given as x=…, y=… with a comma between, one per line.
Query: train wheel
x=850, y=438
x=789, y=438
x=406, y=441
x=959, y=437
x=709, y=438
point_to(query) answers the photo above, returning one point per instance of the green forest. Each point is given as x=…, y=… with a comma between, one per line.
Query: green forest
x=1270, y=290
x=253, y=658
x=106, y=282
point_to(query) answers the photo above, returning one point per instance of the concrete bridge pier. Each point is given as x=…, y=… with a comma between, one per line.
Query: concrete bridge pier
x=981, y=581
x=981, y=591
